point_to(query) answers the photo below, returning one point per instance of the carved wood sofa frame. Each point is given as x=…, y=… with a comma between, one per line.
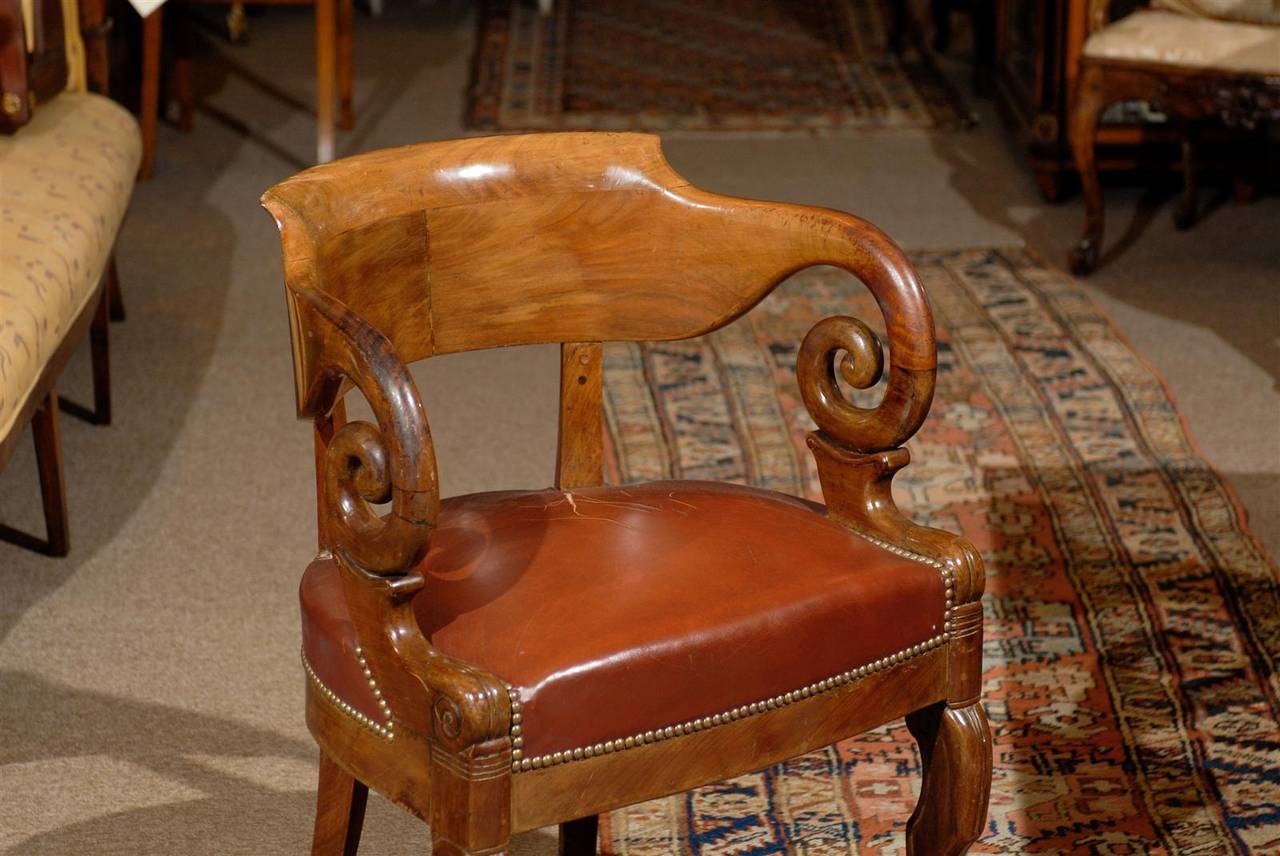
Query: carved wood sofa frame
x=1182, y=93
x=580, y=239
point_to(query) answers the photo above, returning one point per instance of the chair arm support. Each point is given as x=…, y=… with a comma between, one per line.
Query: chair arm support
x=858, y=492
x=870, y=255
x=365, y=464
x=434, y=694
x=430, y=692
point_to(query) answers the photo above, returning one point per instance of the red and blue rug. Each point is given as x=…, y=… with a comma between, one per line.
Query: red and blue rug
x=1132, y=621
x=711, y=65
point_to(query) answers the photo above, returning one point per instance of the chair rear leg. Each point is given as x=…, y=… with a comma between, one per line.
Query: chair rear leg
x=340, y=807
x=579, y=837
x=44, y=426
x=955, y=745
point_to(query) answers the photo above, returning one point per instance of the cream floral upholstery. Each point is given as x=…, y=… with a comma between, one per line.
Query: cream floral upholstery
x=65, y=181
x=1242, y=11
x=1170, y=38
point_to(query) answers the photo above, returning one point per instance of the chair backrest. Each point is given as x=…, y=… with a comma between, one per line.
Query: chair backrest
x=571, y=237
x=397, y=255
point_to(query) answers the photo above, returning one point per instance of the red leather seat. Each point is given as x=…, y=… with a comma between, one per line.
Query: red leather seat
x=617, y=611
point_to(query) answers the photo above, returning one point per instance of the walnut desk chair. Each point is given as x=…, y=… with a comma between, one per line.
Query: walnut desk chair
x=499, y=662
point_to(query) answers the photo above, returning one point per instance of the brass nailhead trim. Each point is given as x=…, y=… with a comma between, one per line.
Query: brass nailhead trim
x=520, y=764
x=386, y=729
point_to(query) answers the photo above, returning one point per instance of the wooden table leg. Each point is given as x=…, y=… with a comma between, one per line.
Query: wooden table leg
x=346, y=16
x=152, y=31
x=326, y=43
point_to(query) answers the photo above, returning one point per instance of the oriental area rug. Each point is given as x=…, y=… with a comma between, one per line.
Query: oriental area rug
x=663, y=65
x=1132, y=621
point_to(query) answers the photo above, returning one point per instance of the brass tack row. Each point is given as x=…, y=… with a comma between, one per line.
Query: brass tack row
x=948, y=578
x=522, y=764
x=386, y=730
x=517, y=728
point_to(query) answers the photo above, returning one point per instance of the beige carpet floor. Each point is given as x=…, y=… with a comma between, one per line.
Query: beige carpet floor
x=150, y=690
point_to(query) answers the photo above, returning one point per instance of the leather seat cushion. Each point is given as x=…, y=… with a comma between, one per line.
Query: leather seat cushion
x=65, y=181
x=1169, y=38
x=616, y=611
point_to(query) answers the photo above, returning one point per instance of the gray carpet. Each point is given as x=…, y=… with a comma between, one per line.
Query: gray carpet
x=150, y=690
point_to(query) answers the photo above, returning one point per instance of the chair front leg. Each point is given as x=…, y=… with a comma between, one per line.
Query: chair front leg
x=955, y=748
x=1088, y=103
x=470, y=797
x=340, y=805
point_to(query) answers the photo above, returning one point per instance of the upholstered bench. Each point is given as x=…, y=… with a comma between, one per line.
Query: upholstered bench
x=65, y=181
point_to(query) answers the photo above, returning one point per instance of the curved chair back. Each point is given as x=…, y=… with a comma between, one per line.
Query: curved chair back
x=573, y=237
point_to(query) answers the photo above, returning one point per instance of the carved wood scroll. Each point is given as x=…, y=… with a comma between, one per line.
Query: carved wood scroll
x=366, y=464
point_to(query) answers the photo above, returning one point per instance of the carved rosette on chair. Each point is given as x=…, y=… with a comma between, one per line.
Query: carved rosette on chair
x=498, y=662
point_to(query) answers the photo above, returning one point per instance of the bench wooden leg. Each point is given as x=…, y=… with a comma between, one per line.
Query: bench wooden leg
x=114, y=295
x=100, y=357
x=44, y=427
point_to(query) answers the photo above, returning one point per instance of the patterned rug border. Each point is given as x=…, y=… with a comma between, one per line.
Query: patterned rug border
x=1242, y=514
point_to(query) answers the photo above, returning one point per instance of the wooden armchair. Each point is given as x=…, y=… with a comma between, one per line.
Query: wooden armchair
x=1193, y=60
x=498, y=662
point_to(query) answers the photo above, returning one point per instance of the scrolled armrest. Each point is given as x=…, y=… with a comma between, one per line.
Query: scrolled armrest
x=364, y=463
x=872, y=257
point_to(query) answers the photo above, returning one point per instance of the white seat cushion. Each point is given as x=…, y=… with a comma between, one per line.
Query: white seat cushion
x=1245, y=11
x=65, y=181
x=1168, y=38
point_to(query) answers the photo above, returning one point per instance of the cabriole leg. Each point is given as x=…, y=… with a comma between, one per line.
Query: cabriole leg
x=1089, y=101
x=955, y=746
